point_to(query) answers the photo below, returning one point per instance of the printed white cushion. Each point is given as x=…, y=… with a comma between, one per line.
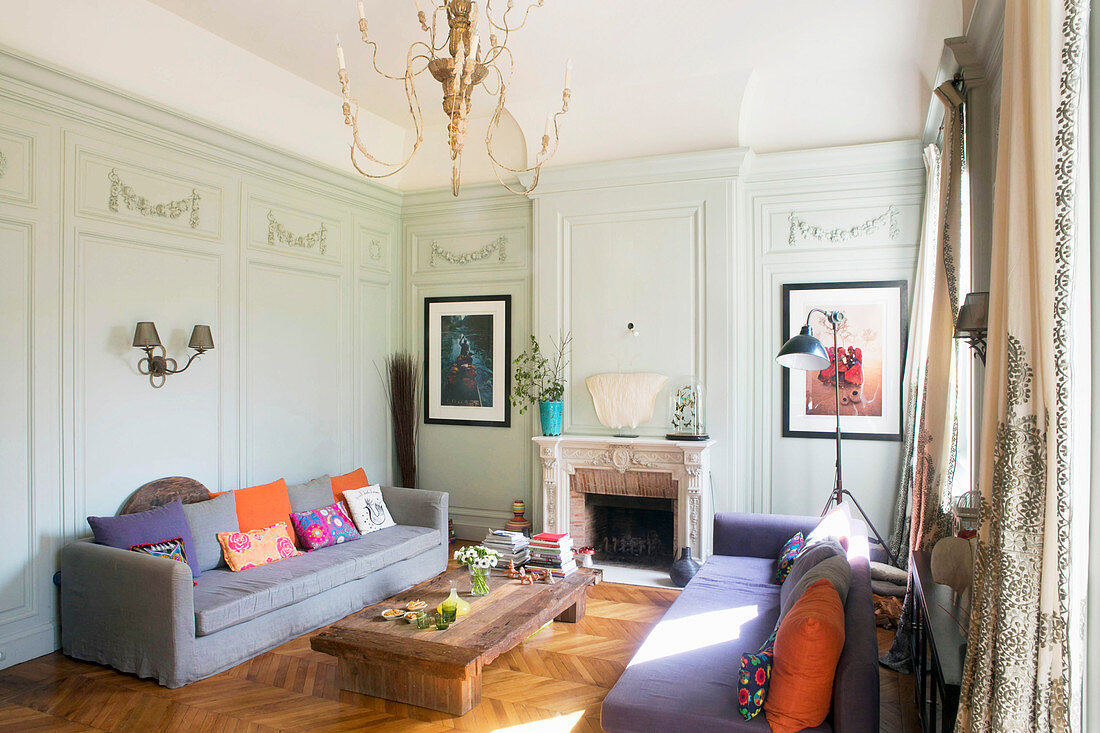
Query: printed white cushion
x=367, y=509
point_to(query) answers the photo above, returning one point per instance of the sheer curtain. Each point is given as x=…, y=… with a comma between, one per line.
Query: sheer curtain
x=922, y=514
x=1024, y=666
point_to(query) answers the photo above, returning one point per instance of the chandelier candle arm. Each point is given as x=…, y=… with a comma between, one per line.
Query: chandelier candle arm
x=469, y=64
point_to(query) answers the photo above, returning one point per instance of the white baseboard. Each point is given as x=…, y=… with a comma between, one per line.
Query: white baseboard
x=29, y=644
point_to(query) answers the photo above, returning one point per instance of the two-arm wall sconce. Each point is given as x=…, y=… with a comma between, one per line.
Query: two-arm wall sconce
x=972, y=323
x=161, y=365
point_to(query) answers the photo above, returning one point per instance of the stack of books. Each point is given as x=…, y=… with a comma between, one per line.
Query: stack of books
x=553, y=552
x=511, y=546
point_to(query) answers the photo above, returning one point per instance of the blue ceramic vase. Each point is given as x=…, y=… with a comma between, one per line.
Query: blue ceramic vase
x=550, y=416
x=684, y=569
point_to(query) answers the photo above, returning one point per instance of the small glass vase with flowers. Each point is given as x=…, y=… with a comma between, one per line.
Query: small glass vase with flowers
x=480, y=560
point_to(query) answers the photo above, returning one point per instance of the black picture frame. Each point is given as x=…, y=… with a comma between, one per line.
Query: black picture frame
x=901, y=290
x=435, y=412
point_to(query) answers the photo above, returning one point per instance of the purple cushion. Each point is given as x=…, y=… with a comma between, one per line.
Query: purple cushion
x=156, y=525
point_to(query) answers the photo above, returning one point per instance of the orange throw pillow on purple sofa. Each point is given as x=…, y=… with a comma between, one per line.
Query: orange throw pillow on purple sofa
x=807, y=649
x=357, y=479
x=259, y=507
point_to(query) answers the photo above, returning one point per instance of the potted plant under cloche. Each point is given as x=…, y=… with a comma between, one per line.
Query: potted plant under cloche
x=541, y=379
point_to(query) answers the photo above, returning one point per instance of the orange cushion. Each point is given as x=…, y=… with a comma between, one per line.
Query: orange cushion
x=357, y=479
x=244, y=550
x=262, y=506
x=807, y=649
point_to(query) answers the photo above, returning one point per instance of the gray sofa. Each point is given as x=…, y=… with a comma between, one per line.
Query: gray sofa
x=145, y=615
x=685, y=675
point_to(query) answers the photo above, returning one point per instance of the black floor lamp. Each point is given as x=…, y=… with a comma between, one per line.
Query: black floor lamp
x=805, y=352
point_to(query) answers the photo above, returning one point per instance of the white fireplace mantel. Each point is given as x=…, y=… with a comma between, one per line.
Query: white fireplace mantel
x=688, y=463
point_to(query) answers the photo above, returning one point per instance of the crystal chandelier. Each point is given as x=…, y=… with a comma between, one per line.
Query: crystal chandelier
x=459, y=62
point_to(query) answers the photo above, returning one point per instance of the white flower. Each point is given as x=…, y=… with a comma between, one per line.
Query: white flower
x=493, y=561
x=457, y=553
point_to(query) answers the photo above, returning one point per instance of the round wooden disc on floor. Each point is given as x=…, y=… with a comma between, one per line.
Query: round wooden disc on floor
x=165, y=491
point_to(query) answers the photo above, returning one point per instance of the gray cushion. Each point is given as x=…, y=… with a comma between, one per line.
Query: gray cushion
x=225, y=598
x=886, y=588
x=836, y=569
x=806, y=560
x=207, y=518
x=311, y=495
x=882, y=571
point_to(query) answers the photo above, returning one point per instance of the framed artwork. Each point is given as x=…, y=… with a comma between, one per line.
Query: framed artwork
x=467, y=360
x=867, y=365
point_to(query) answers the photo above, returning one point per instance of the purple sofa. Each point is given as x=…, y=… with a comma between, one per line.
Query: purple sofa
x=684, y=676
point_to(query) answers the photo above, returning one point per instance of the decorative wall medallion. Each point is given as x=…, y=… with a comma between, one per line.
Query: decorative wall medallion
x=3, y=164
x=799, y=228
x=279, y=234
x=374, y=250
x=465, y=258
x=170, y=210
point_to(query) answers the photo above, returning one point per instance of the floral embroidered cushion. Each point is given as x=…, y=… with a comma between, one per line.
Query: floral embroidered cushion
x=244, y=550
x=323, y=527
x=752, y=688
x=172, y=549
x=756, y=675
x=368, y=509
x=787, y=555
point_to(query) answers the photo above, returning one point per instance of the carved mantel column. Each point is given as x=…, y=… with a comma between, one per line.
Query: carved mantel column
x=687, y=462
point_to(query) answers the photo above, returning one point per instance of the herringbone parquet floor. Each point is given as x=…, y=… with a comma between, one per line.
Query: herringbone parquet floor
x=554, y=682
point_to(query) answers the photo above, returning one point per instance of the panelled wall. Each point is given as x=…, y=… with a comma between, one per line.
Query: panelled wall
x=114, y=211
x=477, y=245
x=111, y=212
x=694, y=250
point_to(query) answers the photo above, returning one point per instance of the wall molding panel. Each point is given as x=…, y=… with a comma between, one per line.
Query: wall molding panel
x=117, y=191
x=22, y=560
x=113, y=210
x=483, y=468
x=16, y=165
x=580, y=312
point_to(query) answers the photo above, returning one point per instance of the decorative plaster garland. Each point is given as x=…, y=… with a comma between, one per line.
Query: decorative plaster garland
x=465, y=258
x=3, y=164
x=279, y=234
x=799, y=227
x=374, y=250
x=140, y=204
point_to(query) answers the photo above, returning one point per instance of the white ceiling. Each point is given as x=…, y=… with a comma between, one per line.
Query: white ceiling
x=650, y=76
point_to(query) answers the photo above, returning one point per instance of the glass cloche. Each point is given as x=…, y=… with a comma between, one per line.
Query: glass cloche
x=687, y=410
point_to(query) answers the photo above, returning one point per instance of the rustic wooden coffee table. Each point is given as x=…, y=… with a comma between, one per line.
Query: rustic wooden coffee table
x=441, y=670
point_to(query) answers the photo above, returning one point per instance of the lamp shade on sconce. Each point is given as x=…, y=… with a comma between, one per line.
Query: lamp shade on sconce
x=146, y=336
x=803, y=352
x=201, y=339
x=973, y=316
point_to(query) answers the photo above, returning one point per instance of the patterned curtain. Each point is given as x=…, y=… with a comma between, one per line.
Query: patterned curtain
x=916, y=353
x=1024, y=666
x=921, y=513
